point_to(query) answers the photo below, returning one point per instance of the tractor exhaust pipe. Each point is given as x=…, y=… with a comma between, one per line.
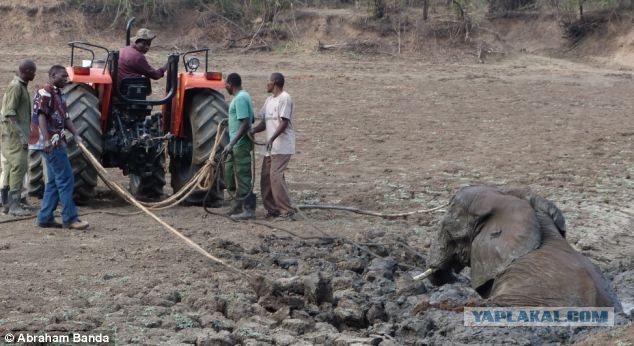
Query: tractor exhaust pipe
x=128, y=27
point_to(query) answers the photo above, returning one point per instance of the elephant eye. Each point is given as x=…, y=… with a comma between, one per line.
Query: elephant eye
x=480, y=222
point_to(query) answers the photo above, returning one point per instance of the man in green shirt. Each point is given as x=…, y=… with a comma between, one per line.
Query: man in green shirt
x=237, y=154
x=15, y=116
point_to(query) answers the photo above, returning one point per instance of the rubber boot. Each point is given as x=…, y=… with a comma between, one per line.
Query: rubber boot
x=25, y=204
x=4, y=196
x=249, y=209
x=236, y=207
x=214, y=197
x=246, y=214
x=14, y=205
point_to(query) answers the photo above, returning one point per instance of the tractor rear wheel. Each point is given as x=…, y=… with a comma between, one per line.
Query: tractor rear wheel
x=36, y=173
x=83, y=108
x=204, y=110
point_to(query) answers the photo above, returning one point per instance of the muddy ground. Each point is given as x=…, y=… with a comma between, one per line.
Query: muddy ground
x=378, y=133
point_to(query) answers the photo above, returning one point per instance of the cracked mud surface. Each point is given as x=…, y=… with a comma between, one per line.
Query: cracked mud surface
x=379, y=134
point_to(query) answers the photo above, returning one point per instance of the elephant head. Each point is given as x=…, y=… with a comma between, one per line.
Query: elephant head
x=487, y=228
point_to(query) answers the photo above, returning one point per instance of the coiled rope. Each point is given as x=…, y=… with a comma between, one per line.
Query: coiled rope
x=203, y=179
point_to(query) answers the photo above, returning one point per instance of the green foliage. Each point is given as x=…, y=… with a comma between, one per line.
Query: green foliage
x=501, y=6
x=386, y=8
x=182, y=321
x=229, y=9
x=247, y=10
x=236, y=10
x=588, y=5
x=118, y=11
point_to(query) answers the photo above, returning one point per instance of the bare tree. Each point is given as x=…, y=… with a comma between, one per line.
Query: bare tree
x=380, y=8
x=425, y=9
x=460, y=8
x=581, y=9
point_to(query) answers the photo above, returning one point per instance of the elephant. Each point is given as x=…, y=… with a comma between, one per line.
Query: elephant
x=514, y=242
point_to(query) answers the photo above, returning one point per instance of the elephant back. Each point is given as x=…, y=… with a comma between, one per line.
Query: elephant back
x=554, y=275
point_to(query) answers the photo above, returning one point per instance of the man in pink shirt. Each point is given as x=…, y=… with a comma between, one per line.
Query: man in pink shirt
x=132, y=61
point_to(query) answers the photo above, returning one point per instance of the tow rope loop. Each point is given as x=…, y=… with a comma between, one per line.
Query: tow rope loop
x=203, y=179
x=128, y=197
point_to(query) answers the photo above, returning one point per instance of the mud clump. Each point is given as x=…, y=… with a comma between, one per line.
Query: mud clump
x=354, y=298
x=316, y=289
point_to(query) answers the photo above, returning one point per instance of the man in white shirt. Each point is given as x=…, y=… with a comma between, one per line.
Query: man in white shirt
x=277, y=119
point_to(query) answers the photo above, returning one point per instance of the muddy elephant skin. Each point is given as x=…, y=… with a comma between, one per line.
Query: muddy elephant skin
x=514, y=242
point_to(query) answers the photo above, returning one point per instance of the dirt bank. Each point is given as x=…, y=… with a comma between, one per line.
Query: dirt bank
x=604, y=37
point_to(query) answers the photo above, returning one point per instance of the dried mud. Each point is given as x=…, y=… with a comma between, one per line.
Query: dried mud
x=382, y=134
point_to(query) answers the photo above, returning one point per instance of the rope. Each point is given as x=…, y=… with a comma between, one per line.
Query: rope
x=365, y=212
x=18, y=219
x=88, y=213
x=324, y=236
x=360, y=247
x=128, y=197
x=203, y=179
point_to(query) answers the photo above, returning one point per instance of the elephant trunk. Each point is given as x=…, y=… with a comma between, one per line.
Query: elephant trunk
x=441, y=275
x=442, y=259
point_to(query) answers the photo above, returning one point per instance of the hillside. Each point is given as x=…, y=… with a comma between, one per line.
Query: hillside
x=605, y=37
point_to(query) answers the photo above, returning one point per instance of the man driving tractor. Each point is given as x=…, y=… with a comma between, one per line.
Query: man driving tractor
x=132, y=61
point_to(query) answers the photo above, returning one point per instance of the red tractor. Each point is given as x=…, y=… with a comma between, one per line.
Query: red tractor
x=120, y=127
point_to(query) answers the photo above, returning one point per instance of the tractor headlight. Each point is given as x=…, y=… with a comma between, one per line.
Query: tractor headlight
x=192, y=64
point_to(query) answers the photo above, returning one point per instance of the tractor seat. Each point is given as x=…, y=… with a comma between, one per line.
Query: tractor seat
x=135, y=88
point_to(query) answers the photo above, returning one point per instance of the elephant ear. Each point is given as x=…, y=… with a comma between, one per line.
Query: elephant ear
x=508, y=232
x=549, y=208
x=540, y=204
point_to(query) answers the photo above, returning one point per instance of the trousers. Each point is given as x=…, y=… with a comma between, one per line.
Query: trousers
x=273, y=185
x=14, y=163
x=238, y=175
x=58, y=189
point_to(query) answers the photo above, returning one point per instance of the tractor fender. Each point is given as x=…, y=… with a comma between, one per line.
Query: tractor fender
x=100, y=83
x=188, y=81
x=96, y=76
